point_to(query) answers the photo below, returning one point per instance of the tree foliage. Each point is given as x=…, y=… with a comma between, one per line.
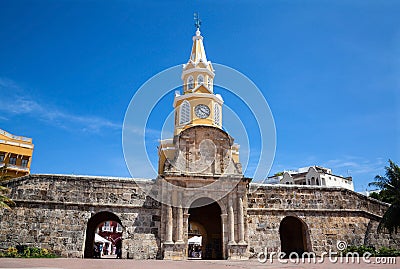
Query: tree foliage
x=390, y=193
x=5, y=201
x=3, y=173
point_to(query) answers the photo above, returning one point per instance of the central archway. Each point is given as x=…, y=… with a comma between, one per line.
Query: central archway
x=294, y=236
x=94, y=222
x=205, y=222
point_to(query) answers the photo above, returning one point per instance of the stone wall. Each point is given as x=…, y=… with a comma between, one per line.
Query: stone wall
x=329, y=214
x=53, y=212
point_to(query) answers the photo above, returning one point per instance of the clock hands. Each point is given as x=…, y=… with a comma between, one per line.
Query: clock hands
x=202, y=111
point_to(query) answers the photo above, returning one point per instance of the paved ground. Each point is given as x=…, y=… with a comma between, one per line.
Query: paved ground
x=197, y=264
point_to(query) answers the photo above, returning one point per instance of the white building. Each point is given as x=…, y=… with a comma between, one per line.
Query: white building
x=312, y=175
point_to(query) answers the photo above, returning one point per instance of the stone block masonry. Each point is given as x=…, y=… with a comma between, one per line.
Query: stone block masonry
x=53, y=212
x=56, y=212
x=328, y=214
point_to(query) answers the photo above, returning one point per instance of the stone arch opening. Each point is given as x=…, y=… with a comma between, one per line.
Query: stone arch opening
x=294, y=236
x=205, y=221
x=93, y=224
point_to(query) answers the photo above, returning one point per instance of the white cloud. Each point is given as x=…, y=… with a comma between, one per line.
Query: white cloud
x=346, y=165
x=18, y=102
x=356, y=165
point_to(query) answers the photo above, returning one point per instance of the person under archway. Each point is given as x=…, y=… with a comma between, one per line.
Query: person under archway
x=91, y=249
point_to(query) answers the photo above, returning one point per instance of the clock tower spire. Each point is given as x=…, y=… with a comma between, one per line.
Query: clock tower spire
x=198, y=115
x=197, y=104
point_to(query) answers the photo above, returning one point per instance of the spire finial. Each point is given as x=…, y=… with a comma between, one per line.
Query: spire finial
x=197, y=21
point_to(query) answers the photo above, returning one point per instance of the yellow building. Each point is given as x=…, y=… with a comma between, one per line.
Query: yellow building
x=15, y=154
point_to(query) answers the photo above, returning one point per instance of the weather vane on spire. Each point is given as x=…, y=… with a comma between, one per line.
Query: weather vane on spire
x=197, y=21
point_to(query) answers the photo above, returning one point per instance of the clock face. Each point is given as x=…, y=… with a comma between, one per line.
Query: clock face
x=202, y=111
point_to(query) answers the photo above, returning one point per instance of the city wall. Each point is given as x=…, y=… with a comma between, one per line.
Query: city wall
x=53, y=211
x=329, y=215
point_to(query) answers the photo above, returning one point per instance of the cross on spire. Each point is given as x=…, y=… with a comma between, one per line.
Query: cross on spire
x=197, y=21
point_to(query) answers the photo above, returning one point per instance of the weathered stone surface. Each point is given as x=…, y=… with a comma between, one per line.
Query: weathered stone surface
x=330, y=214
x=53, y=212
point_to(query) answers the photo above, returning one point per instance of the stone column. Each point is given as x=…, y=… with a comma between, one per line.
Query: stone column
x=169, y=225
x=185, y=224
x=224, y=235
x=231, y=220
x=241, y=222
x=179, y=237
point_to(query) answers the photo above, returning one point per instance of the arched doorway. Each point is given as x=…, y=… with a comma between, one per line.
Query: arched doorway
x=109, y=224
x=205, y=222
x=294, y=236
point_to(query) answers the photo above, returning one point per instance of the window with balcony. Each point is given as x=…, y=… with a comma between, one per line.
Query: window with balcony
x=119, y=228
x=24, y=162
x=13, y=160
x=107, y=227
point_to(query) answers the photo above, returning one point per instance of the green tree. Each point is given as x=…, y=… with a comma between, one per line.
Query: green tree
x=390, y=192
x=5, y=201
x=3, y=173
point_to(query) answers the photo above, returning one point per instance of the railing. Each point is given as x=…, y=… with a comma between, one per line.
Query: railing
x=30, y=146
x=107, y=229
x=16, y=137
x=16, y=167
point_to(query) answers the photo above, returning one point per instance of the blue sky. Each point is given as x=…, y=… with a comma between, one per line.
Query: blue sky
x=328, y=69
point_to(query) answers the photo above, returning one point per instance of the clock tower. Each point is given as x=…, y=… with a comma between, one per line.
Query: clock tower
x=197, y=105
x=200, y=179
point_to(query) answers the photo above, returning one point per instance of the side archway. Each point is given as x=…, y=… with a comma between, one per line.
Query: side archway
x=294, y=235
x=92, y=225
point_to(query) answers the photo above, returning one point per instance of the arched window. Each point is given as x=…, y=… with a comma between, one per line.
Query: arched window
x=217, y=114
x=184, y=113
x=200, y=80
x=190, y=83
x=208, y=82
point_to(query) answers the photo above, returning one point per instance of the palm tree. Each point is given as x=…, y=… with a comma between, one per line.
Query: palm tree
x=390, y=189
